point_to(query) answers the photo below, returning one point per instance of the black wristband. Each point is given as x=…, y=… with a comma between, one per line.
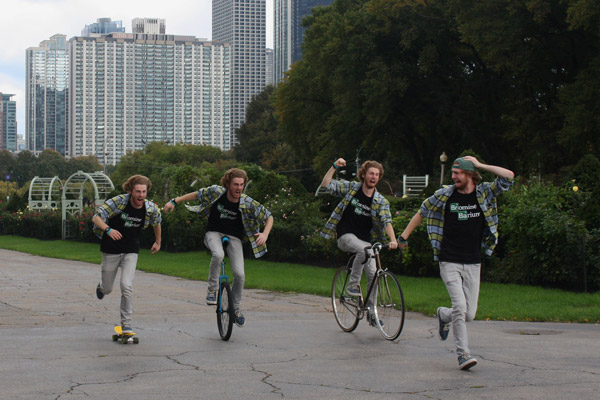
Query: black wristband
x=402, y=240
x=173, y=201
x=107, y=229
x=335, y=165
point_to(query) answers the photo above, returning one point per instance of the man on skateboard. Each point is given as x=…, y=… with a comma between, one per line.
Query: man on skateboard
x=118, y=223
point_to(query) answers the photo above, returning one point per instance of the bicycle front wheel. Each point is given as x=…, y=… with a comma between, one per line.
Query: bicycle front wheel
x=345, y=307
x=225, y=311
x=390, y=305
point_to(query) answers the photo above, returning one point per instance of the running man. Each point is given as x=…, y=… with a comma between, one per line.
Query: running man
x=234, y=214
x=118, y=223
x=461, y=219
x=362, y=216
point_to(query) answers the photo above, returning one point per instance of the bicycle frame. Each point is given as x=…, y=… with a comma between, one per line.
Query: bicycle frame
x=375, y=250
x=386, y=310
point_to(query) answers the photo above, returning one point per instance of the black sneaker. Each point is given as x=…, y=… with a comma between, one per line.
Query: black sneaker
x=373, y=321
x=238, y=318
x=443, y=327
x=99, y=293
x=465, y=361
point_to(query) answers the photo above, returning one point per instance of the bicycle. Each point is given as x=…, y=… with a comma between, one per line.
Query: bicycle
x=225, y=315
x=388, y=309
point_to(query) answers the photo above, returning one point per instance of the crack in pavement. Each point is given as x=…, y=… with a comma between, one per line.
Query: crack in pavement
x=275, y=389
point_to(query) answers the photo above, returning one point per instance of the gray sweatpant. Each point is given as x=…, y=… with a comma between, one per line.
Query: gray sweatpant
x=462, y=282
x=235, y=252
x=110, y=265
x=351, y=244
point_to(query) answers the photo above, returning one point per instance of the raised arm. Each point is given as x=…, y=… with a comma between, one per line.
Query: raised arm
x=340, y=162
x=498, y=171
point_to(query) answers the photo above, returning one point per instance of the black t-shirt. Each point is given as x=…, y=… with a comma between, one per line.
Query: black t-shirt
x=357, y=218
x=463, y=229
x=129, y=223
x=225, y=217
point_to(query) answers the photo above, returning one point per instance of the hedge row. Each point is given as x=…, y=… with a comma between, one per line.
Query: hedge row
x=546, y=238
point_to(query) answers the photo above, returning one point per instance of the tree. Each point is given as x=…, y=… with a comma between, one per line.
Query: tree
x=258, y=134
x=160, y=162
x=259, y=139
x=84, y=163
x=404, y=79
x=391, y=77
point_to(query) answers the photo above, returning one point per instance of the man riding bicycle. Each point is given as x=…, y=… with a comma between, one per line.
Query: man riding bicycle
x=363, y=215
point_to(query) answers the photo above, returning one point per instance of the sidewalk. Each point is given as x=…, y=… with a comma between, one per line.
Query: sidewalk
x=56, y=344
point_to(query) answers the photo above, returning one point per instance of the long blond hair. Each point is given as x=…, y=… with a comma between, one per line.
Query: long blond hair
x=136, y=180
x=233, y=173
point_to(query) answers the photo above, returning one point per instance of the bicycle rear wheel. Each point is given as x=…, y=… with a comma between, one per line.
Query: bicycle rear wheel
x=225, y=311
x=345, y=307
x=390, y=305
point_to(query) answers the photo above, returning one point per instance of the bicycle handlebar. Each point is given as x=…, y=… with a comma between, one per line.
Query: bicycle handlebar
x=375, y=249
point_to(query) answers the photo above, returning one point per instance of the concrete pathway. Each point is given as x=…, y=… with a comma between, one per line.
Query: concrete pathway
x=56, y=344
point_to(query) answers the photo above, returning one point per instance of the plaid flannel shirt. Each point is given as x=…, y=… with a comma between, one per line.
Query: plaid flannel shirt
x=116, y=205
x=253, y=213
x=380, y=209
x=433, y=209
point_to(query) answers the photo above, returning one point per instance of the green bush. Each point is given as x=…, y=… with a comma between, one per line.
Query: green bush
x=39, y=224
x=586, y=174
x=182, y=230
x=81, y=226
x=543, y=241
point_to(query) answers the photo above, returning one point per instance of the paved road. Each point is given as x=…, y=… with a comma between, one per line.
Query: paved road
x=56, y=344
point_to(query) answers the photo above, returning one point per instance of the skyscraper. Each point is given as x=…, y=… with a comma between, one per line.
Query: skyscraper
x=8, y=122
x=46, y=95
x=242, y=23
x=102, y=26
x=289, y=32
x=132, y=89
x=269, y=73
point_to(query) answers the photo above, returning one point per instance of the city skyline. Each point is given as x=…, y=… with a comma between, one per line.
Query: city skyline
x=32, y=21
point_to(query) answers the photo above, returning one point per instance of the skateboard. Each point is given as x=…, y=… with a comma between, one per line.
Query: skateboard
x=125, y=338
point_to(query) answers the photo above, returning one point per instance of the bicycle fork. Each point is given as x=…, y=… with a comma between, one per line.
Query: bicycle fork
x=222, y=278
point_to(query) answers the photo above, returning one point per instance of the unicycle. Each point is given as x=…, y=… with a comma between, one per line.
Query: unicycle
x=224, y=300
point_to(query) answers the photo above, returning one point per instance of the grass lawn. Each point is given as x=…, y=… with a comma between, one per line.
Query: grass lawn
x=424, y=295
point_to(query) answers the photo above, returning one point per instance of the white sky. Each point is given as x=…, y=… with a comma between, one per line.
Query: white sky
x=25, y=23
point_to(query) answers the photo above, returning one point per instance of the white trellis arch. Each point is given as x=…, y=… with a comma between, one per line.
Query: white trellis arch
x=45, y=193
x=72, y=195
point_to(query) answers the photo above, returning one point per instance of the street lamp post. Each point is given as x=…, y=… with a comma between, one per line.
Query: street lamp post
x=357, y=161
x=7, y=179
x=443, y=159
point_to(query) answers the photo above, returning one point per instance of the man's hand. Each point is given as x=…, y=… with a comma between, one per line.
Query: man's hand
x=393, y=245
x=115, y=234
x=498, y=171
x=261, y=238
x=340, y=162
x=169, y=207
x=155, y=248
x=475, y=161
